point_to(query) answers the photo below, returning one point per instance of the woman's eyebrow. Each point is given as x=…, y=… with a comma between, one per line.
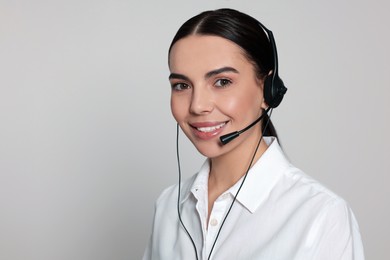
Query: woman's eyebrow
x=218, y=71
x=178, y=76
x=208, y=74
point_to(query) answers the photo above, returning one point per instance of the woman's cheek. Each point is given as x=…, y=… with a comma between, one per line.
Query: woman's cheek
x=231, y=105
x=177, y=109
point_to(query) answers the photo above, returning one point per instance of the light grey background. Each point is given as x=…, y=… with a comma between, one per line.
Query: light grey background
x=87, y=141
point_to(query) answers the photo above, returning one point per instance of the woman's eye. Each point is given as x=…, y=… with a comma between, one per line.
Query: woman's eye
x=221, y=83
x=180, y=86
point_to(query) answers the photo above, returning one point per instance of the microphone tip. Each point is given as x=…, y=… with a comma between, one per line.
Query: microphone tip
x=228, y=137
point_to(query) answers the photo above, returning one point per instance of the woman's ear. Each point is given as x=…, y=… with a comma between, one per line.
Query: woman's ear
x=263, y=104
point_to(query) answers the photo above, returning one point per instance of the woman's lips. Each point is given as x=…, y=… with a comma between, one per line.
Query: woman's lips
x=207, y=130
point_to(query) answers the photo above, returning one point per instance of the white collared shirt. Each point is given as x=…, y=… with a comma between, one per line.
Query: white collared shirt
x=280, y=213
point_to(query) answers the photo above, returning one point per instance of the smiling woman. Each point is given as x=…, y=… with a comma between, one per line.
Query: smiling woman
x=247, y=201
x=219, y=89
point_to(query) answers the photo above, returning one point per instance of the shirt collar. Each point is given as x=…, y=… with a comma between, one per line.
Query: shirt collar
x=199, y=182
x=259, y=182
x=262, y=177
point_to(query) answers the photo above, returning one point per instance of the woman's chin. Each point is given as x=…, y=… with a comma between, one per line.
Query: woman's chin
x=210, y=150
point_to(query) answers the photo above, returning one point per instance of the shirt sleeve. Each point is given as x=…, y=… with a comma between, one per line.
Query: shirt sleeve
x=334, y=234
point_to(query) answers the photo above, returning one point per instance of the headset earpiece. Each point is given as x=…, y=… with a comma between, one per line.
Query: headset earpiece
x=274, y=90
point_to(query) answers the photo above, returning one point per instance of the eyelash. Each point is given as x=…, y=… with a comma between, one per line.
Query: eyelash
x=179, y=86
x=225, y=82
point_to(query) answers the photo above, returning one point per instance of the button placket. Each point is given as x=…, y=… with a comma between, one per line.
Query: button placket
x=216, y=217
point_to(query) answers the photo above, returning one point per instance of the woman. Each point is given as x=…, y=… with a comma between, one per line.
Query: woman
x=247, y=201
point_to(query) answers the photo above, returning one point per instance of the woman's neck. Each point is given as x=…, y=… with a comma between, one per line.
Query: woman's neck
x=227, y=169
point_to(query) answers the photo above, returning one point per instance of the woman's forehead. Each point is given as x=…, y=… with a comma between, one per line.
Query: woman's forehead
x=203, y=50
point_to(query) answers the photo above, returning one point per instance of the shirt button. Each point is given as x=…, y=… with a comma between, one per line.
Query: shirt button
x=213, y=222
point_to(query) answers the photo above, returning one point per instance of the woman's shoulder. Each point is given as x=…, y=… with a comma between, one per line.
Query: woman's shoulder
x=287, y=181
x=309, y=193
x=299, y=181
x=328, y=216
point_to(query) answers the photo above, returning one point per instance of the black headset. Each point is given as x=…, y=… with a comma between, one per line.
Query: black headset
x=274, y=88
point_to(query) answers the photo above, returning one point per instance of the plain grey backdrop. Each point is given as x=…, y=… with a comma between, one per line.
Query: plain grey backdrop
x=87, y=141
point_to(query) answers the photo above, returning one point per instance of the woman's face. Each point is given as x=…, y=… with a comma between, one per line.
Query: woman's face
x=214, y=92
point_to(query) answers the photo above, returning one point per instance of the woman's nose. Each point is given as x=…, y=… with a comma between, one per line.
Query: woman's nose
x=201, y=101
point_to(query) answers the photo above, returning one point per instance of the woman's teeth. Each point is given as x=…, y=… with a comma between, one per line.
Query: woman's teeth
x=210, y=128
